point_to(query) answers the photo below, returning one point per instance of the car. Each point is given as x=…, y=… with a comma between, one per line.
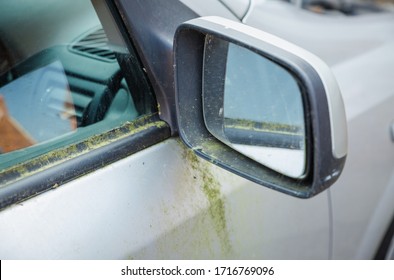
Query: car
x=208, y=129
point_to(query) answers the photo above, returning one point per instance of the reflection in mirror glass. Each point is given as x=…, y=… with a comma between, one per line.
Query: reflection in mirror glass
x=261, y=113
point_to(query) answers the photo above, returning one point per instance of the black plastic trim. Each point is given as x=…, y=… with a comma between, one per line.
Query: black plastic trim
x=132, y=66
x=151, y=26
x=382, y=251
x=18, y=187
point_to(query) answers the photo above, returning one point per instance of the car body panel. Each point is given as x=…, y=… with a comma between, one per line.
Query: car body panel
x=359, y=51
x=367, y=183
x=185, y=208
x=335, y=38
x=163, y=202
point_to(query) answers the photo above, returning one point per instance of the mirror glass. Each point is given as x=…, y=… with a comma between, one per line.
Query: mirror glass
x=255, y=106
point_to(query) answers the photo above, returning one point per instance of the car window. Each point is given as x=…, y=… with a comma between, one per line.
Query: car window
x=61, y=80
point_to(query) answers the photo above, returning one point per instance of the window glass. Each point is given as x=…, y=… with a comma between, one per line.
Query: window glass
x=60, y=78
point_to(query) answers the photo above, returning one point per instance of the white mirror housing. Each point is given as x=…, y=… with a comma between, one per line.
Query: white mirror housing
x=201, y=81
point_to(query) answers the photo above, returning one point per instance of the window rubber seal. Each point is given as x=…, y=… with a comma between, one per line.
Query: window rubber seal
x=53, y=169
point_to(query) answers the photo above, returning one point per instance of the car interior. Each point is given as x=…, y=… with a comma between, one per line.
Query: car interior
x=60, y=80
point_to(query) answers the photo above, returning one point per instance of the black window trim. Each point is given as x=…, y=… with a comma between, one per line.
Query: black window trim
x=51, y=170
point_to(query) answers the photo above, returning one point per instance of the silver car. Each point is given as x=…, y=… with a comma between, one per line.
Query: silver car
x=181, y=129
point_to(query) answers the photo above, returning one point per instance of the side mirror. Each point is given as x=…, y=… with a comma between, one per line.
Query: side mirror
x=259, y=106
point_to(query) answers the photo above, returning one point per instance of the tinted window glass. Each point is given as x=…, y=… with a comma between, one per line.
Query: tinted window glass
x=60, y=77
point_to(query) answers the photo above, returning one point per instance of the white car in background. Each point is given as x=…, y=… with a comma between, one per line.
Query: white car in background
x=202, y=129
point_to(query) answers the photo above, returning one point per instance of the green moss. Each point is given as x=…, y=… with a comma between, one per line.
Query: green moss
x=191, y=158
x=212, y=192
x=63, y=154
x=158, y=108
x=217, y=210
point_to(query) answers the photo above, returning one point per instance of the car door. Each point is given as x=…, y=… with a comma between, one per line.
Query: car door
x=118, y=183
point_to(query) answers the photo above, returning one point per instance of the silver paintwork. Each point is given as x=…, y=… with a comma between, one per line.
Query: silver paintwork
x=149, y=204
x=152, y=205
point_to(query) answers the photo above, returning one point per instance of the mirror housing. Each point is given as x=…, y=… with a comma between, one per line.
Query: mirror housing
x=200, y=73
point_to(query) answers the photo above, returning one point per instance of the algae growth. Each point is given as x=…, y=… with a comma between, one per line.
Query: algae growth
x=211, y=189
x=60, y=155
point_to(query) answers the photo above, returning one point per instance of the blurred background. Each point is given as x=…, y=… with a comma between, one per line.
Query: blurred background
x=345, y=6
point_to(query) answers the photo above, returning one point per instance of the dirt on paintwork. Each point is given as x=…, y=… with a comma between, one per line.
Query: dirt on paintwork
x=191, y=222
x=211, y=188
